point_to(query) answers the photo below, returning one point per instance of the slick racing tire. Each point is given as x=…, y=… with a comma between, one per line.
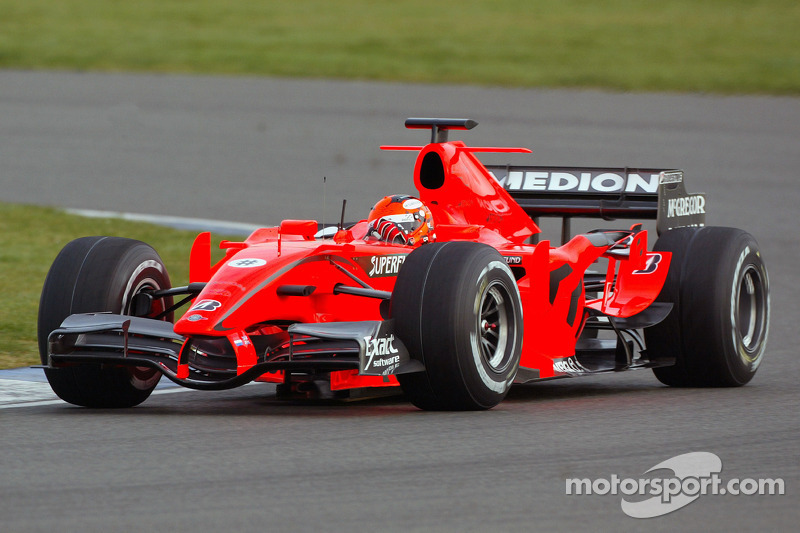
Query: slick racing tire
x=100, y=274
x=717, y=329
x=457, y=309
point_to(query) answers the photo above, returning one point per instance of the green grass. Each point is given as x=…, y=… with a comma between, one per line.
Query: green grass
x=30, y=239
x=726, y=46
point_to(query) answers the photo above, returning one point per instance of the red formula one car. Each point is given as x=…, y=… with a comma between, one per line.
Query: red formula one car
x=451, y=294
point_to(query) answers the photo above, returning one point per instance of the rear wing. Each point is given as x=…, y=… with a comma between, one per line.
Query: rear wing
x=607, y=193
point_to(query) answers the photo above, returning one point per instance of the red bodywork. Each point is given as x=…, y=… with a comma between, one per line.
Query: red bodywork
x=241, y=299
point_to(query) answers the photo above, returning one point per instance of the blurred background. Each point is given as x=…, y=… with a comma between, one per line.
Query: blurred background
x=252, y=111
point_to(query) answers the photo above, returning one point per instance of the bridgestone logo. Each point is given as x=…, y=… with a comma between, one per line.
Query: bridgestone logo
x=681, y=207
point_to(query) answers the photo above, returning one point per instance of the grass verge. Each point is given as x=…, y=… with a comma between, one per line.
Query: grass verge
x=726, y=46
x=30, y=239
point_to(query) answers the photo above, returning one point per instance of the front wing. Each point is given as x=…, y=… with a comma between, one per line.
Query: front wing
x=103, y=338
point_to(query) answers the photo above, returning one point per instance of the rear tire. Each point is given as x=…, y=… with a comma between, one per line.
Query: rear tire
x=717, y=330
x=100, y=274
x=457, y=309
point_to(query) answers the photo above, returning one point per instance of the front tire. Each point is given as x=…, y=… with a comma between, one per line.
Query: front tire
x=717, y=330
x=92, y=275
x=457, y=309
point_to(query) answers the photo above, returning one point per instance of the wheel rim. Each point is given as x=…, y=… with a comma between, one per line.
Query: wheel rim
x=751, y=312
x=495, y=323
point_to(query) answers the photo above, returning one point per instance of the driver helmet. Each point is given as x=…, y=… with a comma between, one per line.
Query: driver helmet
x=401, y=219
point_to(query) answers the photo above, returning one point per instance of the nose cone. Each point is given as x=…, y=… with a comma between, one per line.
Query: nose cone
x=242, y=291
x=231, y=285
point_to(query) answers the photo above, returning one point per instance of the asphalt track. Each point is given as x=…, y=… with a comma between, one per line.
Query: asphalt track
x=256, y=150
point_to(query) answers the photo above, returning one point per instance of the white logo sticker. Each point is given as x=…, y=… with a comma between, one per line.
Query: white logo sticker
x=383, y=347
x=247, y=263
x=206, y=305
x=413, y=203
x=405, y=217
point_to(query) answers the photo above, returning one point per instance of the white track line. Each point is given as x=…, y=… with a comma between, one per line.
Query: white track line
x=198, y=224
x=15, y=393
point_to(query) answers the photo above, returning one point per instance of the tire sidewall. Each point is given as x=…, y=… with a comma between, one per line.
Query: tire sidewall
x=744, y=258
x=703, y=333
x=488, y=385
x=436, y=307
